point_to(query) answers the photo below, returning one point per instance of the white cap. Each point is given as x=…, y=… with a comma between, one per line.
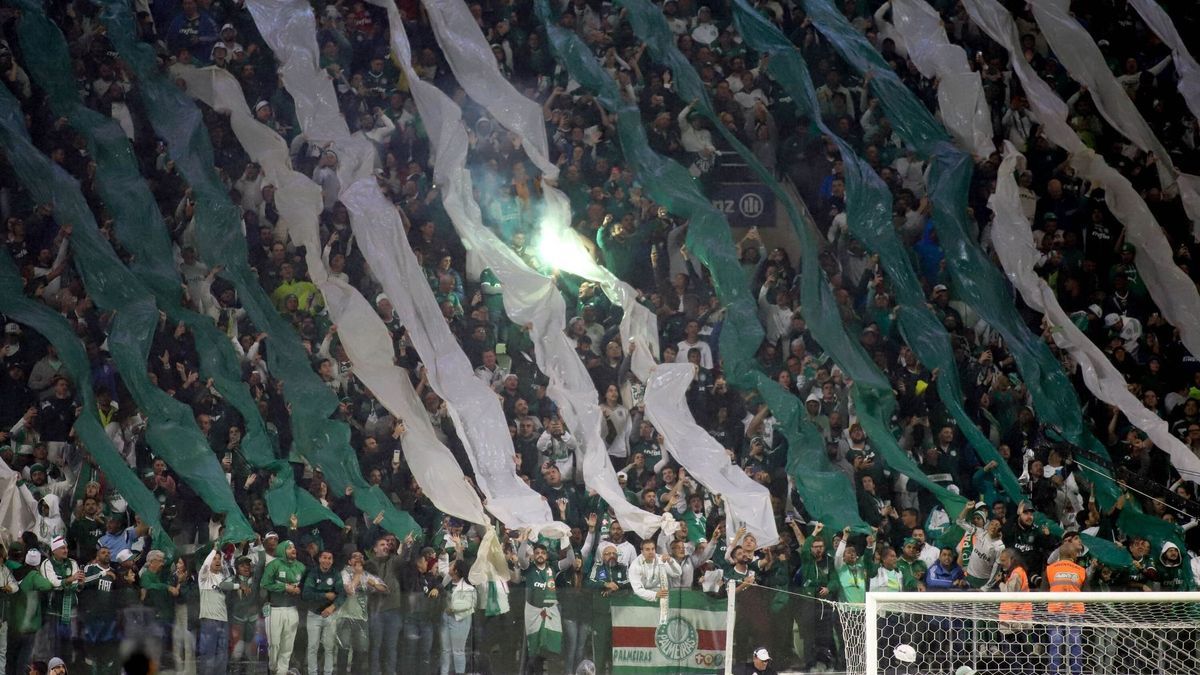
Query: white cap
x=12, y=329
x=57, y=543
x=965, y=670
x=762, y=654
x=813, y=396
x=1112, y=319
x=55, y=663
x=905, y=653
x=33, y=557
x=1095, y=309
x=123, y=555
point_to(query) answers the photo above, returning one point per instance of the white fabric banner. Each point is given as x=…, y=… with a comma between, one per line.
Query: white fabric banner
x=470, y=57
x=1172, y=290
x=1083, y=60
x=361, y=330
x=1013, y=241
x=1185, y=64
x=289, y=28
x=961, y=103
x=529, y=297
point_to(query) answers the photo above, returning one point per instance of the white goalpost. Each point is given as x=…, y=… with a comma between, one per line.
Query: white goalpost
x=1023, y=633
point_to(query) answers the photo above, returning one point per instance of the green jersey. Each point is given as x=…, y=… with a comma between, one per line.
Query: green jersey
x=540, y=586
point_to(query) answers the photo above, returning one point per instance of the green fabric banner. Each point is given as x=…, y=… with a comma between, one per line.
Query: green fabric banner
x=827, y=493
x=975, y=279
x=871, y=391
x=171, y=429
x=141, y=231
x=323, y=442
x=51, y=325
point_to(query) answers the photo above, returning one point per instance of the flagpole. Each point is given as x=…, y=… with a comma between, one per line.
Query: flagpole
x=730, y=620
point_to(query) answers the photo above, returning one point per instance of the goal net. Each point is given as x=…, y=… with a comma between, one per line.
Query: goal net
x=1023, y=633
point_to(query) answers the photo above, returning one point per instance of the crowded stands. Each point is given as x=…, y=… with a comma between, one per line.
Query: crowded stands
x=88, y=581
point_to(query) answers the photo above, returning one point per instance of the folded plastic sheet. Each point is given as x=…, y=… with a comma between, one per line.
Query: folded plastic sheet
x=974, y=278
x=360, y=330
x=816, y=479
x=529, y=297
x=1084, y=62
x=1185, y=64
x=869, y=211
x=1173, y=290
x=52, y=326
x=171, y=429
x=322, y=442
x=471, y=60
x=141, y=231
x=964, y=110
x=289, y=28
x=1014, y=245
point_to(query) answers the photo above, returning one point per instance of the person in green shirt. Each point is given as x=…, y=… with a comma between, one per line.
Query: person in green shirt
x=854, y=570
x=282, y=582
x=817, y=578
x=65, y=576
x=86, y=530
x=157, y=595
x=911, y=565
x=323, y=594
x=543, y=618
x=607, y=576
x=244, y=608
x=25, y=607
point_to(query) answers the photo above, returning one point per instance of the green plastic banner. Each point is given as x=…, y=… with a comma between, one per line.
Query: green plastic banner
x=51, y=325
x=827, y=493
x=874, y=401
x=171, y=429
x=323, y=442
x=975, y=279
x=141, y=231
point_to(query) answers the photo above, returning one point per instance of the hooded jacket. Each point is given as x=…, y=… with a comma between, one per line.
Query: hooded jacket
x=278, y=574
x=1177, y=575
x=51, y=525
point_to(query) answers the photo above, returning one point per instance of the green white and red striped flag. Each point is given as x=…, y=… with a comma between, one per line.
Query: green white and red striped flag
x=691, y=640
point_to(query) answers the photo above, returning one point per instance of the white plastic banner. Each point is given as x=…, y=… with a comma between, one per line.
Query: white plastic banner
x=361, y=331
x=471, y=60
x=289, y=28
x=1172, y=290
x=1083, y=60
x=1014, y=245
x=529, y=297
x=1185, y=64
x=963, y=107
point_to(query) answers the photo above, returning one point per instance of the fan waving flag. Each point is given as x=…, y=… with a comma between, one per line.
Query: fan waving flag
x=691, y=640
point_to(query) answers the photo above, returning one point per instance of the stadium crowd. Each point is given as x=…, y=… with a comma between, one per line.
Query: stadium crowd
x=87, y=576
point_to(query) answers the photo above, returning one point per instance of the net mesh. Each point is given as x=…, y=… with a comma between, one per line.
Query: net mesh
x=1035, y=636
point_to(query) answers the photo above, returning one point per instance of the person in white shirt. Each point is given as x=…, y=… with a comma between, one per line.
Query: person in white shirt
x=650, y=574
x=691, y=341
x=983, y=536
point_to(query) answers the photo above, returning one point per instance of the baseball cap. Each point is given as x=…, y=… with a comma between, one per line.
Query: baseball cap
x=762, y=654
x=1111, y=319
x=123, y=555
x=939, y=288
x=57, y=543
x=1095, y=309
x=12, y=328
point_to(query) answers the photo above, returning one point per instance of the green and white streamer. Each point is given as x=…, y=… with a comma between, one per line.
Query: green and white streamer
x=470, y=59
x=869, y=218
x=360, y=329
x=529, y=297
x=1014, y=245
x=974, y=277
x=52, y=326
x=171, y=429
x=871, y=392
x=289, y=28
x=962, y=106
x=1083, y=60
x=323, y=442
x=1185, y=64
x=141, y=231
x=1154, y=260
